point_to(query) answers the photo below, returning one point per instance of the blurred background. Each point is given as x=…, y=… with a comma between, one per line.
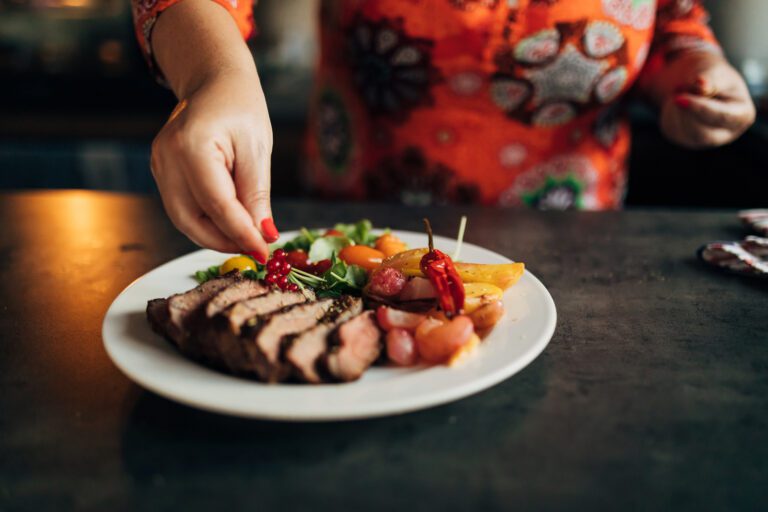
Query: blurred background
x=78, y=108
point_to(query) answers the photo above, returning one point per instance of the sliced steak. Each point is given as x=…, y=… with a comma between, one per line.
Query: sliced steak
x=240, y=290
x=178, y=309
x=354, y=346
x=303, y=352
x=157, y=314
x=226, y=327
x=261, y=339
x=237, y=314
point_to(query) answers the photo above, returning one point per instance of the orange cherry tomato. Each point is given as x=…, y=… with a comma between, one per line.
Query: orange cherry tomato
x=362, y=256
x=333, y=232
x=390, y=245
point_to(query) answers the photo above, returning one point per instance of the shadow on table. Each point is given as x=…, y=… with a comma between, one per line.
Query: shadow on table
x=161, y=437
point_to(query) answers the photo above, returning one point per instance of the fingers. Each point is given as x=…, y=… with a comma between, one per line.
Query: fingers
x=717, y=113
x=252, y=182
x=186, y=215
x=687, y=130
x=212, y=187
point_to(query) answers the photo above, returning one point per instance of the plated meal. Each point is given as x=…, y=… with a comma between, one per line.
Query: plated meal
x=330, y=304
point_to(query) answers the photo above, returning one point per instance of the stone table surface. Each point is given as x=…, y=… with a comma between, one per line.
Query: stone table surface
x=652, y=395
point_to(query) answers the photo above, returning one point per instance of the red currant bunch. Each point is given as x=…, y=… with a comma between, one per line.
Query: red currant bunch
x=278, y=269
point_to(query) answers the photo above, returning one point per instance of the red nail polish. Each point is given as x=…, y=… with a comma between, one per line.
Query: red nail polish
x=682, y=102
x=258, y=257
x=269, y=230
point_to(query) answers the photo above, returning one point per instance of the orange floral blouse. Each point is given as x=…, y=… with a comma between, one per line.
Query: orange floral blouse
x=509, y=102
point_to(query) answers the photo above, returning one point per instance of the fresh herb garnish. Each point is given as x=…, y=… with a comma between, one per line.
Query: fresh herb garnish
x=325, y=247
x=361, y=233
x=202, y=276
x=302, y=242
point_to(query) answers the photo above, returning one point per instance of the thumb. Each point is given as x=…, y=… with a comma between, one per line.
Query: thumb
x=252, y=178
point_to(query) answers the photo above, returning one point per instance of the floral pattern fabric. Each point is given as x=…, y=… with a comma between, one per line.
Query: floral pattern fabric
x=510, y=102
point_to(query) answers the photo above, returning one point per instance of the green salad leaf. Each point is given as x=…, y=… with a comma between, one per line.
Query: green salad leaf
x=360, y=232
x=202, y=276
x=303, y=241
x=324, y=248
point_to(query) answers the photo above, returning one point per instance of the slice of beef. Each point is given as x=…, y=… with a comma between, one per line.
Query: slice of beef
x=303, y=352
x=170, y=317
x=237, y=314
x=225, y=329
x=354, y=346
x=157, y=313
x=262, y=337
x=240, y=290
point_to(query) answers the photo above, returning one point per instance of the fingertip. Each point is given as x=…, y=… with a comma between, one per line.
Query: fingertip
x=683, y=102
x=269, y=230
x=258, y=256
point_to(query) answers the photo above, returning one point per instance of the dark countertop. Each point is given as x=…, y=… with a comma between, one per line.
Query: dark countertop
x=652, y=395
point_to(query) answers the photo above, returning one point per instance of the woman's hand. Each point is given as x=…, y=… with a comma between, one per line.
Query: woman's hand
x=211, y=162
x=704, y=101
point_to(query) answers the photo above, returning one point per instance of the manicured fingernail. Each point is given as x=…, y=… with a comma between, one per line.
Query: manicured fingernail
x=258, y=257
x=682, y=102
x=269, y=230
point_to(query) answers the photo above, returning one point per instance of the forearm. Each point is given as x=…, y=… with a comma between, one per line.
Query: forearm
x=197, y=40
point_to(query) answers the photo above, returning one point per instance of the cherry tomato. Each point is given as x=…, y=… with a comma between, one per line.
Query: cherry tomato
x=320, y=267
x=362, y=256
x=240, y=263
x=390, y=245
x=333, y=232
x=401, y=347
x=387, y=282
x=297, y=259
x=437, y=341
x=391, y=318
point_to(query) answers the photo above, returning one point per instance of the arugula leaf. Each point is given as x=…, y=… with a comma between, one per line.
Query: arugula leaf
x=356, y=276
x=343, y=278
x=360, y=232
x=256, y=275
x=326, y=247
x=302, y=241
x=202, y=276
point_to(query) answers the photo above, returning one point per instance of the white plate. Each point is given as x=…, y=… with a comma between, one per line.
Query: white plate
x=153, y=363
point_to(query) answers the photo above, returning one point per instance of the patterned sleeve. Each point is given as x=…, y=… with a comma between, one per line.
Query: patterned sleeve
x=681, y=26
x=146, y=12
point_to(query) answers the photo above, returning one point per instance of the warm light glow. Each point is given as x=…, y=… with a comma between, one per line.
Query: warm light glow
x=77, y=4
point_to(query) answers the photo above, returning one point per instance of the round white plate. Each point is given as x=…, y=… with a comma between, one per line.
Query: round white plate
x=153, y=363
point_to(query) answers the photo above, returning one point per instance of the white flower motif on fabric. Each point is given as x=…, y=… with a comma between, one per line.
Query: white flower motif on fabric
x=465, y=83
x=512, y=155
x=538, y=48
x=571, y=76
x=609, y=87
x=602, y=38
x=508, y=94
x=406, y=56
x=554, y=114
x=637, y=14
x=560, y=167
x=385, y=40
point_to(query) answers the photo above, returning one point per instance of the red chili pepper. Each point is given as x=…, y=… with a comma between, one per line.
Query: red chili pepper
x=439, y=269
